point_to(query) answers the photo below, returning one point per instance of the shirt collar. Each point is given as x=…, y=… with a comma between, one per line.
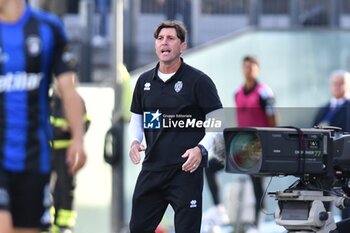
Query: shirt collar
x=336, y=102
x=155, y=71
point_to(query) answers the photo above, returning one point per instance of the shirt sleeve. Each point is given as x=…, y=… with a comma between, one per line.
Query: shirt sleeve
x=207, y=95
x=136, y=106
x=64, y=59
x=267, y=100
x=208, y=139
x=135, y=128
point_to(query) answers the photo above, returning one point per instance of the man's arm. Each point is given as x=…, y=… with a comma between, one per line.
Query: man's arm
x=136, y=135
x=195, y=155
x=268, y=102
x=272, y=120
x=74, y=113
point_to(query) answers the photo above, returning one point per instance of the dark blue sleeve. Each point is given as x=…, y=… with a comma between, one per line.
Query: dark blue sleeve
x=64, y=58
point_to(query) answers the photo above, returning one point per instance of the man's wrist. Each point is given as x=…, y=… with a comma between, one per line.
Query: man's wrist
x=203, y=150
x=135, y=142
x=78, y=139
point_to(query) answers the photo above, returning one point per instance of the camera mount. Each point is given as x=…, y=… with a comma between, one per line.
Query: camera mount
x=303, y=211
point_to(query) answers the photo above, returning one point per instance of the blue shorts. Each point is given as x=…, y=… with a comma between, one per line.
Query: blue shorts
x=27, y=197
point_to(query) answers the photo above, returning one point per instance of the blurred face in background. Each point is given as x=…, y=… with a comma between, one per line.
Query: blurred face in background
x=338, y=87
x=250, y=70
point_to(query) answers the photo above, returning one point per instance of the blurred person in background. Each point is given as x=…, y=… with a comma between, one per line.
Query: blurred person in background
x=255, y=107
x=173, y=8
x=337, y=111
x=103, y=9
x=57, y=7
x=172, y=169
x=33, y=48
x=64, y=183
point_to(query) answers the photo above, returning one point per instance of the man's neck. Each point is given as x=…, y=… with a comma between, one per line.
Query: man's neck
x=169, y=68
x=249, y=84
x=11, y=11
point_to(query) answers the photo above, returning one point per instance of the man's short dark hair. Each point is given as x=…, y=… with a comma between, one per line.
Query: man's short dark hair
x=177, y=25
x=251, y=59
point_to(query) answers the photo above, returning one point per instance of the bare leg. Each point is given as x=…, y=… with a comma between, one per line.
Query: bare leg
x=6, y=222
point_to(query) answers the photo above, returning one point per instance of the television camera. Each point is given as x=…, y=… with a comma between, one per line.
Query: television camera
x=319, y=157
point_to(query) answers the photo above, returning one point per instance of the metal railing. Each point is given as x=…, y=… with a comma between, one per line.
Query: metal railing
x=242, y=6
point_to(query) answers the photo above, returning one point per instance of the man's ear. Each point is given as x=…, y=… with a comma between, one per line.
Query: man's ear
x=183, y=47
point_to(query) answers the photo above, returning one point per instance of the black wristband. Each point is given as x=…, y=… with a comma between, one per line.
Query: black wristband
x=204, y=151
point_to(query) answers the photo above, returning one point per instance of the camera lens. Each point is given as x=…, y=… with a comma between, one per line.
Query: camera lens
x=245, y=150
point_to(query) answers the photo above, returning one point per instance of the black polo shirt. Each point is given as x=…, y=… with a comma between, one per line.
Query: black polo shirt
x=179, y=102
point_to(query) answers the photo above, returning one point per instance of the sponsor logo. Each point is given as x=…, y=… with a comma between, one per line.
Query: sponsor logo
x=157, y=120
x=191, y=123
x=151, y=120
x=69, y=58
x=20, y=81
x=193, y=203
x=147, y=87
x=33, y=44
x=178, y=86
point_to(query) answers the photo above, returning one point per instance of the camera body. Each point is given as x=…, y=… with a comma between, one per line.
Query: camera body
x=272, y=151
x=320, y=157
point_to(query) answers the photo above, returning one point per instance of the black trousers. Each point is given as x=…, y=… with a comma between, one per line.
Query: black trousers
x=155, y=190
x=343, y=226
x=64, y=185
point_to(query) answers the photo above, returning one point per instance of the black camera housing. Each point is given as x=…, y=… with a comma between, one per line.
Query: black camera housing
x=272, y=151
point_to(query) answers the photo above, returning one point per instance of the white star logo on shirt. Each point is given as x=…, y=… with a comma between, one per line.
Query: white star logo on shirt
x=156, y=115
